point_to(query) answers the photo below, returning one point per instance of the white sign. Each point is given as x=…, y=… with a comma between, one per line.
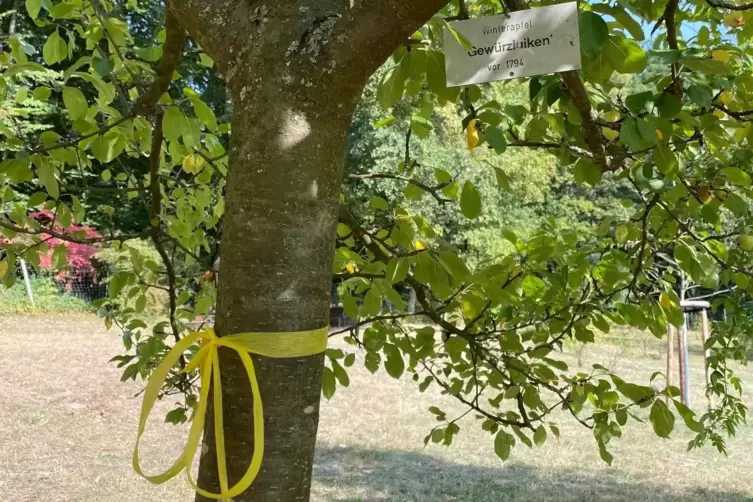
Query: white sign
x=528, y=42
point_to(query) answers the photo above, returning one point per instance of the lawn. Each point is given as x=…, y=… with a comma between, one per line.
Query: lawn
x=68, y=426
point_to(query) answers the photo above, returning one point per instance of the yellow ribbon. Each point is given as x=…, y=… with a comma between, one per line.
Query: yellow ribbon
x=277, y=345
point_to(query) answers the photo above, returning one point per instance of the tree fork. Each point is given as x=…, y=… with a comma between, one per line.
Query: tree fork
x=295, y=71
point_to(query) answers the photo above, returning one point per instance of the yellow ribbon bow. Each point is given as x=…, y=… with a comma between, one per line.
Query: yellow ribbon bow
x=277, y=345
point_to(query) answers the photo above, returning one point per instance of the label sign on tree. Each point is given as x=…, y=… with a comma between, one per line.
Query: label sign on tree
x=529, y=42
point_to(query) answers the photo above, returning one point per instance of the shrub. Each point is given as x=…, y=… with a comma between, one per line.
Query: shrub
x=121, y=259
x=48, y=298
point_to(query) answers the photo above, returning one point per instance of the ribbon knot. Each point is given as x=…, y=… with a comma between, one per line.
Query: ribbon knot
x=206, y=360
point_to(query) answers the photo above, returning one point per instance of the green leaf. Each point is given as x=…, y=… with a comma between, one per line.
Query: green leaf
x=647, y=131
x=55, y=49
x=174, y=123
x=328, y=383
x=102, y=66
x=593, y=33
x=176, y=416
x=637, y=102
x=20, y=68
x=586, y=171
x=33, y=7
x=397, y=270
x=394, y=363
x=710, y=66
x=371, y=361
x=688, y=417
x=340, y=374
x=204, y=113
x=203, y=305
x=421, y=126
x=75, y=103
x=42, y=93
x=746, y=244
x=377, y=203
x=64, y=10
x=599, y=68
x=604, y=454
x=621, y=416
x=149, y=53
x=17, y=170
x=461, y=39
x=49, y=138
x=413, y=192
x=470, y=201
x=667, y=56
x=736, y=175
x=22, y=94
x=435, y=71
x=59, y=256
x=665, y=159
x=3, y=268
x=391, y=87
x=454, y=265
x=700, y=95
x=503, y=442
x=636, y=393
x=106, y=90
x=662, y=419
x=140, y=304
x=36, y=199
x=625, y=55
x=628, y=22
x=631, y=136
x=539, y=437
x=669, y=105
x=103, y=147
x=46, y=173
x=383, y=122
x=496, y=138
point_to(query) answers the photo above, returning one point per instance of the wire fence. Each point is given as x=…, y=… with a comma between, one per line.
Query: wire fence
x=37, y=283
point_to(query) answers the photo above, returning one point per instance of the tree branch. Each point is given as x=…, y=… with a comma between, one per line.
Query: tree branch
x=730, y=6
x=375, y=27
x=172, y=49
x=70, y=238
x=591, y=131
x=432, y=190
x=155, y=157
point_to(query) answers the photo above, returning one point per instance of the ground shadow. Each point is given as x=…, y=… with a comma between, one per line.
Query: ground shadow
x=362, y=475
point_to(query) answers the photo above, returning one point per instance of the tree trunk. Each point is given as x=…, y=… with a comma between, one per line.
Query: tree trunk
x=277, y=246
x=295, y=71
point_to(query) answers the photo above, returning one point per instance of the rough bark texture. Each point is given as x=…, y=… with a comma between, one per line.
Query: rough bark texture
x=295, y=71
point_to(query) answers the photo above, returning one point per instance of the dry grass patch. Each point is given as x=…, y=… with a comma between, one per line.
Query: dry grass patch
x=68, y=426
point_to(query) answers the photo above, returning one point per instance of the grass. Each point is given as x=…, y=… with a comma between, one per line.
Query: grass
x=47, y=298
x=68, y=427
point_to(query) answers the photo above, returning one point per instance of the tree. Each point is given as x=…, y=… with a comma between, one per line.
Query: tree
x=295, y=71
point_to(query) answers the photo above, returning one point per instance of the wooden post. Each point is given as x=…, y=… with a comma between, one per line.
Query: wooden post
x=680, y=363
x=684, y=376
x=704, y=338
x=683, y=346
x=26, y=281
x=670, y=356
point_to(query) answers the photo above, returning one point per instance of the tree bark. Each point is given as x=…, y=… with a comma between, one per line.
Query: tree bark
x=295, y=71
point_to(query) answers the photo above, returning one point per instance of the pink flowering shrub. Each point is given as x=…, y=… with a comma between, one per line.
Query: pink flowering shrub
x=81, y=266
